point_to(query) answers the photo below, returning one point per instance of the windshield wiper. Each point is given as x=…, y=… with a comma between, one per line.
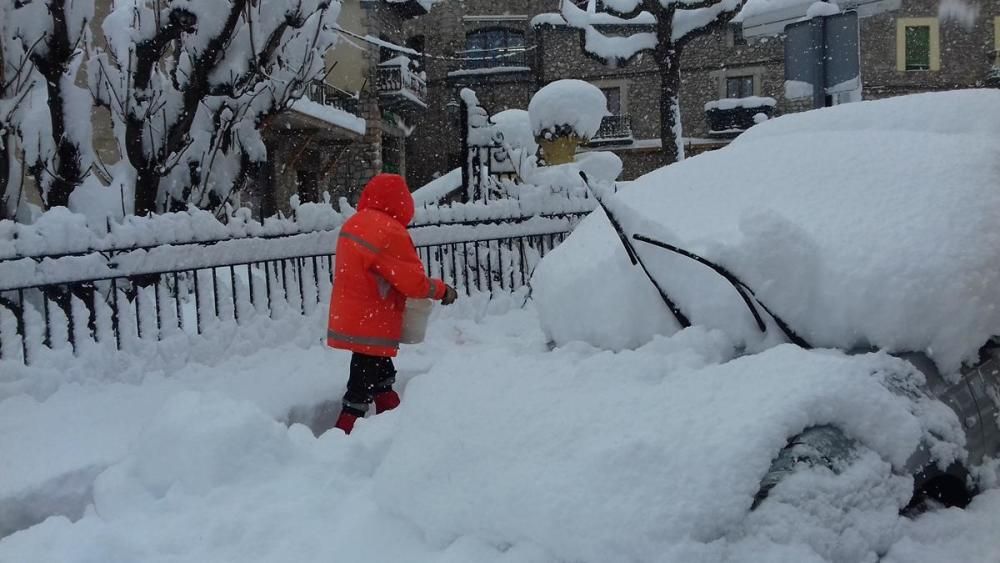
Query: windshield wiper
x=633, y=256
x=745, y=291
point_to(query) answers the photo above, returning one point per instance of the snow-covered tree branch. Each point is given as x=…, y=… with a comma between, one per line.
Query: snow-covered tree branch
x=44, y=45
x=665, y=27
x=192, y=83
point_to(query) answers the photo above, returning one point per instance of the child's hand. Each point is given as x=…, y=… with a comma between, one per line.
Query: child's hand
x=450, y=295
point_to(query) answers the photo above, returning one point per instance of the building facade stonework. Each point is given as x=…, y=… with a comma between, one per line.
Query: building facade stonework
x=715, y=66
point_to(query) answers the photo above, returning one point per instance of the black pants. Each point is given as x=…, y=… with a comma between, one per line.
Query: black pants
x=369, y=375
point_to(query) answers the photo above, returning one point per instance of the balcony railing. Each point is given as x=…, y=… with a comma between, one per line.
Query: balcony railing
x=401, y=86
x=728, y=118
x=615, y=129
x=327, y=95
x=500, y=59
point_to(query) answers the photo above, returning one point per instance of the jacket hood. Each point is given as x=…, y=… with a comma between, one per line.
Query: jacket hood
x=389, y=194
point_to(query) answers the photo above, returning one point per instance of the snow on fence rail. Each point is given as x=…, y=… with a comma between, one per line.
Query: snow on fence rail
x=126, y=296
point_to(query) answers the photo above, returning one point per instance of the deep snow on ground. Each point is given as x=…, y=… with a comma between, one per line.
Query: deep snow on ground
x=863, y=225
x=502, y=451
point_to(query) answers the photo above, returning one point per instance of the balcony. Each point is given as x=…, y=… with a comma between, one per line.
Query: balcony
x=331, y=96
x=324, y=110
x=492, y=61
x=614, y=130
x=399, y=87
x=729, y=117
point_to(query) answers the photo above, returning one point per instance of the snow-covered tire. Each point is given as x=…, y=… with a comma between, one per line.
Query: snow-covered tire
x=934, y=488
x=823, y=445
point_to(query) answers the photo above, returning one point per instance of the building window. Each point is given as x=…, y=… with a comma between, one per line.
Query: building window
x=739, y=86
x=494, y=47
x=918, y=46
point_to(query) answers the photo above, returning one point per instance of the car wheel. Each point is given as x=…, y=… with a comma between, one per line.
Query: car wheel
x=933, y=488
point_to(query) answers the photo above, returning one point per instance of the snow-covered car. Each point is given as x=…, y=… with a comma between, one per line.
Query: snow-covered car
x=867, y=226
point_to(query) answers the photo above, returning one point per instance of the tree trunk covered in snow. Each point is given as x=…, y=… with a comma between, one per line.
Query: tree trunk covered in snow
x=150, y=166
x=52, y=37
x=55, y=65
x=694, y=18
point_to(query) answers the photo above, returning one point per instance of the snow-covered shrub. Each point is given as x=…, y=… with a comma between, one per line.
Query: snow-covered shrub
x=567, y=108
x=209, y=73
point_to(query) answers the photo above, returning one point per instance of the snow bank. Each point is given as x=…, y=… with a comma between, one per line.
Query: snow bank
x=575, y=104
x=629, y=458
x=501, y=452
x=868, y=224
x=748, y=102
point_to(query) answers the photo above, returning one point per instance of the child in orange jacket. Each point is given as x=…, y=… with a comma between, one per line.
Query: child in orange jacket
x=377, y=270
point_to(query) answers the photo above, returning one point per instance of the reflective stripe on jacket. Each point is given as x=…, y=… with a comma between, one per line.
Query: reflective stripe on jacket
x=377, y=269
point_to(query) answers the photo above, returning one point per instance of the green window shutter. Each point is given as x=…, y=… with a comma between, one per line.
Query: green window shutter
x=918, y=47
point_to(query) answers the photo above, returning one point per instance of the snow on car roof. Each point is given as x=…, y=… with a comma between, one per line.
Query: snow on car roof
x=867, y=224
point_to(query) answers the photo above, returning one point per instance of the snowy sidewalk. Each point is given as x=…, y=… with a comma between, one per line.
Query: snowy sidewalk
x=501, y=451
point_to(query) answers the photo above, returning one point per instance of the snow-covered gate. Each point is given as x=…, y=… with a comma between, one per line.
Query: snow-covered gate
x=124, y=297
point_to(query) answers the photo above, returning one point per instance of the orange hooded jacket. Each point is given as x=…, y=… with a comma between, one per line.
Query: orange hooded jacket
x=377, y=269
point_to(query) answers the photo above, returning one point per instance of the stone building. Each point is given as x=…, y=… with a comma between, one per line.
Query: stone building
x=907, y=50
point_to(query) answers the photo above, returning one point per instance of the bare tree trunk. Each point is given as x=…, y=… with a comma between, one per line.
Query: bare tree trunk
x=667, y=55
x=670, y=126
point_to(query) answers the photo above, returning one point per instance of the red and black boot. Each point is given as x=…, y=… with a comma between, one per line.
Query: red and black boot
x=386, y=401
x=349, y=415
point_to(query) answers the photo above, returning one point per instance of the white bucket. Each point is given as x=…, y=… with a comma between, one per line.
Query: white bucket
x=418, y=312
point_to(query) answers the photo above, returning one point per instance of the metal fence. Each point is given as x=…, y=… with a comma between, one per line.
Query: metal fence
x=70, y=313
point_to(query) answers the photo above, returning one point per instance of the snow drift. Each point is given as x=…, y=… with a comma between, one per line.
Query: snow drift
x=501, y=451
x=862, y=225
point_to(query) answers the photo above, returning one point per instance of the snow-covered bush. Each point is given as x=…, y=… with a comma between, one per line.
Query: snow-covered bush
x=44, y=45
x=519, y=145
x=869, y=224
x=209, y=74
x=567, y=108
x=565, y=114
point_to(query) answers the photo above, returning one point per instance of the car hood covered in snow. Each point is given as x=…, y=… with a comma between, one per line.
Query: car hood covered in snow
x=863, y=225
